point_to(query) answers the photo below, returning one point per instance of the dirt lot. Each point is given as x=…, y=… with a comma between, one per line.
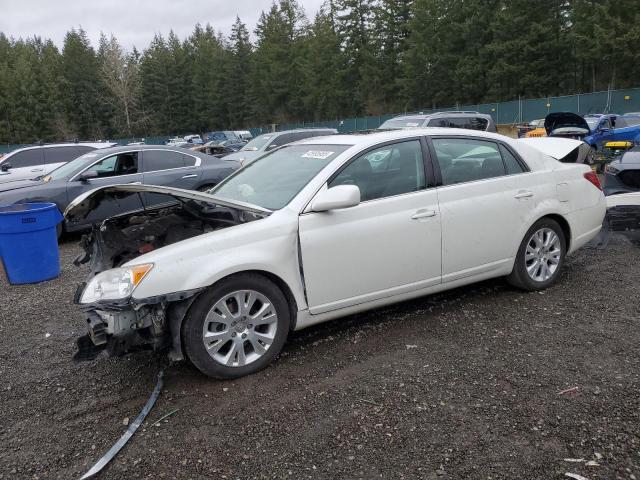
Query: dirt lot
x=460, y=385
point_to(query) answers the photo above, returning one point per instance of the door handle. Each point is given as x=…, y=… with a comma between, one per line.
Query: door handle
x=37, y=170
x=423, y=213
x=193, y=175
x=523, y=194
x=134, y=183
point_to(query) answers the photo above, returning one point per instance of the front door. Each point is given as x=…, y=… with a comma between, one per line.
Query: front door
x=115, y=169
x=387, y=245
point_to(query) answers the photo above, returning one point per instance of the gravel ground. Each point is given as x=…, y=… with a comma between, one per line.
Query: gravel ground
x=464, y=385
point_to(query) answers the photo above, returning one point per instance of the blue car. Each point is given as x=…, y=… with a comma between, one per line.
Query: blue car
x=612, y=128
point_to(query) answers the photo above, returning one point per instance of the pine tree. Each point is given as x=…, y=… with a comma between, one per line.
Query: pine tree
x=237, y=90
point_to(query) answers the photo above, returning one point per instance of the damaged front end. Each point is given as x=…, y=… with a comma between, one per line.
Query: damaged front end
x=118, y=323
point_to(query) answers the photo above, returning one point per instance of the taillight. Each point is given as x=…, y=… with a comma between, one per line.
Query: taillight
x=593, y=178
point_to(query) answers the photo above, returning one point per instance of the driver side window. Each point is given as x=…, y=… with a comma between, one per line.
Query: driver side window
x=116, y=165
x=387, y=171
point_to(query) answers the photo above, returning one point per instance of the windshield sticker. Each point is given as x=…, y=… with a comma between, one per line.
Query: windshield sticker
x=319, y=154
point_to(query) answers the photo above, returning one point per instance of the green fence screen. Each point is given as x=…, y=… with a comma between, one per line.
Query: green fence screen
x=503, y=113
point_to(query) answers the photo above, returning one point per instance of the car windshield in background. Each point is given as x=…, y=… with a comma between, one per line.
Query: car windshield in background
x=70, y=167
x=592, y=122
x=401, y=123
x=272, y=181
x=257, y=143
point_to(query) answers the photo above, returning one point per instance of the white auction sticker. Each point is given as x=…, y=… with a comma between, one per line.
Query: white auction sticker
x=319, y=154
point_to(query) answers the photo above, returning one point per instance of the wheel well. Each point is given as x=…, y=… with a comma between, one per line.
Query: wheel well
x=282, y=285
x=566, y=229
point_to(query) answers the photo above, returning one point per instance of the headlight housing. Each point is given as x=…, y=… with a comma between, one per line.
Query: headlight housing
x=611, y=170
x=115, y=284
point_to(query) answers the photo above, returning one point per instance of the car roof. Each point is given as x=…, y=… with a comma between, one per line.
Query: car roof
x=70, y=144
x=425, y=116
x=299, y=130
x=372, y=139
x=171, y=148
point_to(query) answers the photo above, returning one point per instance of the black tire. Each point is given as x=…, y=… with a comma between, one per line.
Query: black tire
x=192, y=332
x=519, y=277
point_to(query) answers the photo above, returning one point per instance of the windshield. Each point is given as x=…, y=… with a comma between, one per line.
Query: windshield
x=257, y=143
x=69, y=168
x=397, y=123
x=273, y=180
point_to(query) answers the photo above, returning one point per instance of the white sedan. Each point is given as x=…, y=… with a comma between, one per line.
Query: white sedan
x=325, y=228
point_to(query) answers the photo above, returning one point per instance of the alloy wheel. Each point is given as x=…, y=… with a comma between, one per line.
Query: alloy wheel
x=543, y=254
x=240, y=328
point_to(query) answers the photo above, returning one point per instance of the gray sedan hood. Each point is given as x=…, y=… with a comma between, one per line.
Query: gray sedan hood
x=16, y=184
x=79, y=208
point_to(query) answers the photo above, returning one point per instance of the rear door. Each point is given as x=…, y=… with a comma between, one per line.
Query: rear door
x=484, y=196
x=169, y=168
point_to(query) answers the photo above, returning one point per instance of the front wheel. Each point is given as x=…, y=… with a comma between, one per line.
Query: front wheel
x=540, y=256
x=237, y=327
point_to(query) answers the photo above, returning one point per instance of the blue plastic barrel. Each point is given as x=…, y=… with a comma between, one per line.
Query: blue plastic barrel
x=29, y=242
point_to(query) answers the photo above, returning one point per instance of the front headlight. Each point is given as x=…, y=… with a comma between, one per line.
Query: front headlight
x=114, y=284
x=611, y=170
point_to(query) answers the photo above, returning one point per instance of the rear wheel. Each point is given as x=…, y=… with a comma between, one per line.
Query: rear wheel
x=540, y=256
x=237, y=327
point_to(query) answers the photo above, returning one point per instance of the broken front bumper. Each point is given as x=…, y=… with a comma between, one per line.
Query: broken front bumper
x=129, y=325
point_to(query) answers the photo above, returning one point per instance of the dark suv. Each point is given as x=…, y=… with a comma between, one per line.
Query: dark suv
x=468, y=120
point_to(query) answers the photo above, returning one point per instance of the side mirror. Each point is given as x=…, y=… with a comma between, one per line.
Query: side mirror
x=335, y=198
x=88, y=175
x=5, y=166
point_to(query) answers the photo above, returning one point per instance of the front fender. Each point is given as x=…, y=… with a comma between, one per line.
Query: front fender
x=269, y=245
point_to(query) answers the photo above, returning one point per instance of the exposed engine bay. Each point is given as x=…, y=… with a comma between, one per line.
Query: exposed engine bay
x=120, y=239
x=123, y=326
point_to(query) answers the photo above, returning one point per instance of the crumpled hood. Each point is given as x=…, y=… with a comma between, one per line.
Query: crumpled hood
x=79, y=208
x=565, y=120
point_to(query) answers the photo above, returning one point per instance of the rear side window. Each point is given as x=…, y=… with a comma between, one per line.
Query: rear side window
x=467, y=160
x=154, y=160
x=478, y=123
x=438, y=122
x=460, y=122
x=189, y=161
x=63, y=154
x=510, y=162
x=26, y=158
